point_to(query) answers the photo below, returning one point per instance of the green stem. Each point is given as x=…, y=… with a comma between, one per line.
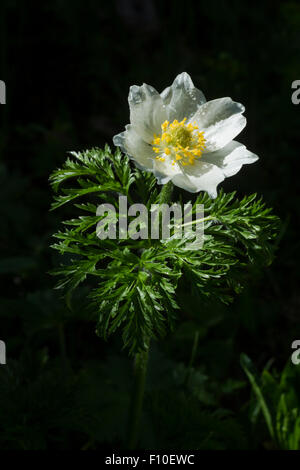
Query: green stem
x=141, y=362
x=192, y=358
x=140, y=371
x=194, y=349
x=62, y=345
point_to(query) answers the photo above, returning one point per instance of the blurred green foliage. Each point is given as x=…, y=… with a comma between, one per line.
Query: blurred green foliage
x=276, y=396
x=67, y=67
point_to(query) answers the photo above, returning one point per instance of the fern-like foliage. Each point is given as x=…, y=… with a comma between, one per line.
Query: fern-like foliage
x=134, y=282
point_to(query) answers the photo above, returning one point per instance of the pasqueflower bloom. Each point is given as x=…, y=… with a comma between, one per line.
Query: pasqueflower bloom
x=181, y=137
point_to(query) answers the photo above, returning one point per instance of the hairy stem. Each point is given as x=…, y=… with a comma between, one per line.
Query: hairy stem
x=62, y=346
x=192, y=358
x=140, y=372
x=141, y=362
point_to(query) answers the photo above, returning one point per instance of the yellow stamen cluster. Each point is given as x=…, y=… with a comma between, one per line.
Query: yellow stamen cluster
x=182, y=142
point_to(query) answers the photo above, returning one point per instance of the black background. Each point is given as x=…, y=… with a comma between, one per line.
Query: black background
x=68, y=66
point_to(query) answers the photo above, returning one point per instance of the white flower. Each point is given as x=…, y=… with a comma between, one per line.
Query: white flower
x=179, y=136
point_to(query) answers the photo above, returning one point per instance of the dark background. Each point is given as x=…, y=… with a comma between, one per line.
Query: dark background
x=68, y=66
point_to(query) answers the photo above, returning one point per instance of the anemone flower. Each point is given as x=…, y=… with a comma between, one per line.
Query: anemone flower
x=181, y=137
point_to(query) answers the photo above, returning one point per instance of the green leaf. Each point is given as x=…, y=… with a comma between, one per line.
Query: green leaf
x=249, y=369
x=133, y=283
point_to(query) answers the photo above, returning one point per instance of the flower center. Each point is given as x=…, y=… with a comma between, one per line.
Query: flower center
x=182, y=142
x=180, y=135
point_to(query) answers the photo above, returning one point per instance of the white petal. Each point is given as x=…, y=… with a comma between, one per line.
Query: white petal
x=132, y=144
x=161, y=178
x=221, y=120
x=182, y=98
x=165, y=171
x=147, y=111
x=231, y=158
x=201, y=176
